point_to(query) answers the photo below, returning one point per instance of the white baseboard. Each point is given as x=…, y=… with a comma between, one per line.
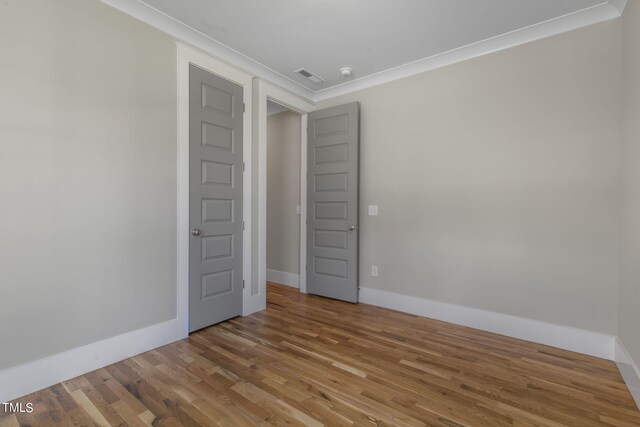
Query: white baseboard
x=283, y=278
x=33, y=376
x=629, y=370
x=565, y=337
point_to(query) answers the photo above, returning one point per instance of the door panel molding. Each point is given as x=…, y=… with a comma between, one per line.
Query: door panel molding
x=333, y=202
x=186, y=56
x=215, y=199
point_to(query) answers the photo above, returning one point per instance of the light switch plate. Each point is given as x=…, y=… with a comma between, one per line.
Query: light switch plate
x=373, y=210
x=374, y=271
x=298, y=209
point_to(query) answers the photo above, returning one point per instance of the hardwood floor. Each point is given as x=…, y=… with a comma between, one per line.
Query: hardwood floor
x=313, y=361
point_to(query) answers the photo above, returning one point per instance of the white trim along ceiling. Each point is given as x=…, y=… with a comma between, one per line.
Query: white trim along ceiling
x=607, y=10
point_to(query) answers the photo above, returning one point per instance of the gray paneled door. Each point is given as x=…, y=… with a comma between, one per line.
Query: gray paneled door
x=215, y=199
x=332, y=193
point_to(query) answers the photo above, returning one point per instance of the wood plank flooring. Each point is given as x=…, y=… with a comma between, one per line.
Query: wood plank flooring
x=313, y=361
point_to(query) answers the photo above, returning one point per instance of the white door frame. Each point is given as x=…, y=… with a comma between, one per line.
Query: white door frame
x=186, y=56
x=262, y=92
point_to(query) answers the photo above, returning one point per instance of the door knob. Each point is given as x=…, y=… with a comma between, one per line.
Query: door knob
x=352, y=227
x=196, y=232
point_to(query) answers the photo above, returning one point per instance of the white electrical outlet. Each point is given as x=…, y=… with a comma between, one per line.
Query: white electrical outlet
x=373, y=210
x=374, y=270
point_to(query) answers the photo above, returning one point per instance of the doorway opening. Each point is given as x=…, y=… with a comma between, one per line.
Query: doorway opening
x=284, y=205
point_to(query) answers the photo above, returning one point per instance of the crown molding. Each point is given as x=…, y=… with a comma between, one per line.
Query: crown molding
x=619, y=4
x=190, y=36
x=610, y=9
x=582, y=18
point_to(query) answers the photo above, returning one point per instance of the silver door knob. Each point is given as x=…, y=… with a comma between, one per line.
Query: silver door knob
x=352, y=227
x=196, y=232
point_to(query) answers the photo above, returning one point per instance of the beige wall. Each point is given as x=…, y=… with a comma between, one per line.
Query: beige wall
x=283, y=192
x=629, y=316
x=87, y=176
x=497, y=180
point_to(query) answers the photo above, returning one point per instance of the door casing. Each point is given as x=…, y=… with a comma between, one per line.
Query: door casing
x=256, y=93
x=264, y=91
x=187, y=56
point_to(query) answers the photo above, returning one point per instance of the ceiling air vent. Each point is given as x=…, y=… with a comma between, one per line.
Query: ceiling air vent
x=309, y=76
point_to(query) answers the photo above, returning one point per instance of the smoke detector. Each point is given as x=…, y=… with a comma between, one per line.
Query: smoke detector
x=346, y=71
x=313, y=78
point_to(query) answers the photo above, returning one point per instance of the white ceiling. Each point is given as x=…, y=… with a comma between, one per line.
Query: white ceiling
x=369, y=36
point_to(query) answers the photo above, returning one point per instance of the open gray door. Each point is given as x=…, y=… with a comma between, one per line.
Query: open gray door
x=215, y=199
x=332, y=194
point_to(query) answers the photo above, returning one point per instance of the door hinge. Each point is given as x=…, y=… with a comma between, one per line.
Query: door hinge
x=244, y=107
x=244, y=166
x=242, y=283
x=242, y=225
